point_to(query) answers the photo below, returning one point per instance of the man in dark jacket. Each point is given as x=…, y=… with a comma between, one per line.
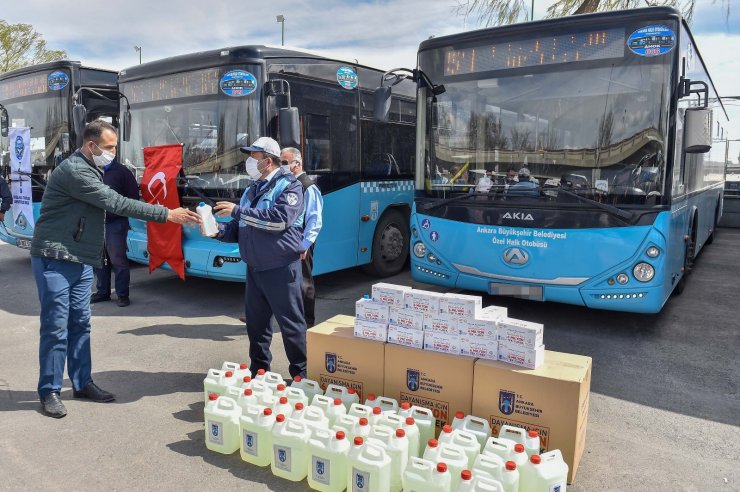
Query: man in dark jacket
x=268, y=225
x=68, y=241
x=122, y=181
x=6, y=198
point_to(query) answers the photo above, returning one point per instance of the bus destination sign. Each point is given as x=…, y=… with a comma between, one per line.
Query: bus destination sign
x=184, y=84
x=24, y=86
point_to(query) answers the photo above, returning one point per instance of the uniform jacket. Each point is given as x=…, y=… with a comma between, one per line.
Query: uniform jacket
x=122, y=181
x=71, y=224
x=268, y=224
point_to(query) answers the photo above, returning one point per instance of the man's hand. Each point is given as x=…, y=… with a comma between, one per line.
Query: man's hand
x=183, y=216
x=224, y=209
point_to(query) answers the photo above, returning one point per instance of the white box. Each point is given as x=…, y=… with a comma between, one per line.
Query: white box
x=481, y=348
x=492, y=312
x=390, y=293
x=460, y=305
x=479, y=328
x=422, y=301
x=372, y=311
x=408, y=337
x=439, y=342
x=442, y=323
x=371, y=330
x=531, y=358
x=408, y=318
x=519, y=332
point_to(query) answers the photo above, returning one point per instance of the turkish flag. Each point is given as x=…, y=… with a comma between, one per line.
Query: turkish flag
x=162, y=164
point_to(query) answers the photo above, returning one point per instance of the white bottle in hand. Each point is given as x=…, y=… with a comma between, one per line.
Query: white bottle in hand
x=209, y=227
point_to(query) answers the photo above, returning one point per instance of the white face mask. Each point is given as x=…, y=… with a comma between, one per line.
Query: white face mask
x=252, y=167
x=103, y=159
x=286, y=168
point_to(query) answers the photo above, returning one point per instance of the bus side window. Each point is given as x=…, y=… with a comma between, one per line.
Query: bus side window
x=318, y=143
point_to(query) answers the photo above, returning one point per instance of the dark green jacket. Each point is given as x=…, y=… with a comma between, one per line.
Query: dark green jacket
x=71, y=225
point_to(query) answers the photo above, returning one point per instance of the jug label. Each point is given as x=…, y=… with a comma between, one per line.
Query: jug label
x=557, y=487
x=360, y=480
x=320, y=470
x=282, y=458
x=250, y=443
x=215, y=432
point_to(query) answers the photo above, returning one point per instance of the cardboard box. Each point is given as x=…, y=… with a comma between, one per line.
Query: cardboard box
x=553, y=399
x=460, y=305
x=372, y=310
x=481, y=348
x=521, y=356
x=442, y=323
x=520, y=332
x=391, y=294
x=370, y=330
x=408, y=318
x=440, y=382
x=422, y=301
x=492, y=312
x=336, y=356
x=442, y=342
x=408, y=337
x=479, y=328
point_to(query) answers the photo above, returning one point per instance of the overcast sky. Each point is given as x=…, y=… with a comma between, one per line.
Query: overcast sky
x=381, y=33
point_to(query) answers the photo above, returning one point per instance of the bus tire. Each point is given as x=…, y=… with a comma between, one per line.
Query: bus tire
x=390, y=245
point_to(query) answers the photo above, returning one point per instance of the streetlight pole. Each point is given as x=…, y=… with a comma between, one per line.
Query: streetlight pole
x=138, y=48
x=281, y=20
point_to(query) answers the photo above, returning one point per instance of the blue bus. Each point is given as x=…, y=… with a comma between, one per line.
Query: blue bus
x=214, y=102
x=40, y=97
x=619, y=185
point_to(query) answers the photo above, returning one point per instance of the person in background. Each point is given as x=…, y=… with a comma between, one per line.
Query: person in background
x=313, y=209
x=122, y=181
x=525, y=185
x=68, y=241
x=6, y=198
x=268, y=225
x=484, y=183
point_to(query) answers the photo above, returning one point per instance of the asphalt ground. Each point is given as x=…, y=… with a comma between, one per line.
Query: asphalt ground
x=665, y=406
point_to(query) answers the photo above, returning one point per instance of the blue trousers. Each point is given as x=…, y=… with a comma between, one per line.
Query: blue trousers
x=64, y=293
x=276, y=292
x=115, y=247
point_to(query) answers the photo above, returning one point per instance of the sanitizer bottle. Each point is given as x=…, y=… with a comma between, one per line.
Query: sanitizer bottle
x=209, y=227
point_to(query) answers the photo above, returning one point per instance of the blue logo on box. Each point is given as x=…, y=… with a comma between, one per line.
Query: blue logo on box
x=331, y=362
x=412, y=379
x=506, y=401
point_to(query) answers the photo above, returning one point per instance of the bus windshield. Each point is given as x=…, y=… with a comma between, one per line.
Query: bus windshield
x=189, y=109
x=595, y=127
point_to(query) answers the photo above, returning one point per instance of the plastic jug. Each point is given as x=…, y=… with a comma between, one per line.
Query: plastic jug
x=510, y=478
x=284, y=407
x=392, y=420
x=271, y=379
x=290, y=449
x=335, y=411
x=327, y=466
x=387, y=404
x=208, y=226
x=323, y=403
x=309, y=387
x=477, y=426
x=412, y=432
x=480, y=483
x=375, y=416
x=491, y=466
x=222, y=424
x=465, y=440
x=216, y=382
x=404, y=409
x=370, y=401
x=467, y=483
x=259, y=388
x=313, y=417
x=397, y=446
x=241, y=372
x=364, y=428
x=520, y=456
x=269, y=400
x=246, y=382
x=532, y=442
x=499, y=447
x=296, y=395
x=360, y=410
x=426, y=422
x=347, y=424
x=256, y=435
x=369, y=467
x=512, y=433
x=457, y=422
x=280, y=390
x=347, y=395
x=547, y=471
x=453, y=456
x=247, y=399
x=426, y=476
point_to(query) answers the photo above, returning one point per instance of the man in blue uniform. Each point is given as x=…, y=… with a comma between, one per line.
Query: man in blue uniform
x=268, y=225
x=6, y=198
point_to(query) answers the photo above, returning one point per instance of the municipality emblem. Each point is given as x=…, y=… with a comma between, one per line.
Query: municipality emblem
x=250, y=441
x=506, y=400
x=292, y=198
x=412, y=379
x=214, y=430
x=359, y=481
x=319, y=467
x=331, y=362
x=19, y=147
x=282, y=455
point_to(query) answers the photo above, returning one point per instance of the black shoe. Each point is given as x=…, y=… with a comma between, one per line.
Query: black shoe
x=94, y=393
x=123, y=301
x=243, y=319
x=53, y=406
x=98, y=297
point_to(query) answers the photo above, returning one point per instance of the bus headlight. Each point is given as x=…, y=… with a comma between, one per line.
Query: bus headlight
x=420, y=250
x=652, y=252
x=644, y=272
x=622, y=278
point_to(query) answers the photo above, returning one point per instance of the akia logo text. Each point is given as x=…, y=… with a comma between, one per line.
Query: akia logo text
x=518, y=216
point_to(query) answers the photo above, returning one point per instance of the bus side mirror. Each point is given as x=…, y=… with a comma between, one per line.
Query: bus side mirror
x=79, y=117
x=698, y=131
x=126, y=126
x=382, y=104
x=289, y=129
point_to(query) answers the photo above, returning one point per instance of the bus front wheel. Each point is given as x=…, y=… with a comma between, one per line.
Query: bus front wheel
x=390, y=245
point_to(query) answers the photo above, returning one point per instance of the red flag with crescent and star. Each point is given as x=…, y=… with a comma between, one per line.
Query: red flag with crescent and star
x=162, y=164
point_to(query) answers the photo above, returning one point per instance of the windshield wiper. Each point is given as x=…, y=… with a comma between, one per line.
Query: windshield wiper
x=626, y=215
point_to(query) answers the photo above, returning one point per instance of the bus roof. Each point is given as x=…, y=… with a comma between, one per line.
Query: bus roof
x=51, y=66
